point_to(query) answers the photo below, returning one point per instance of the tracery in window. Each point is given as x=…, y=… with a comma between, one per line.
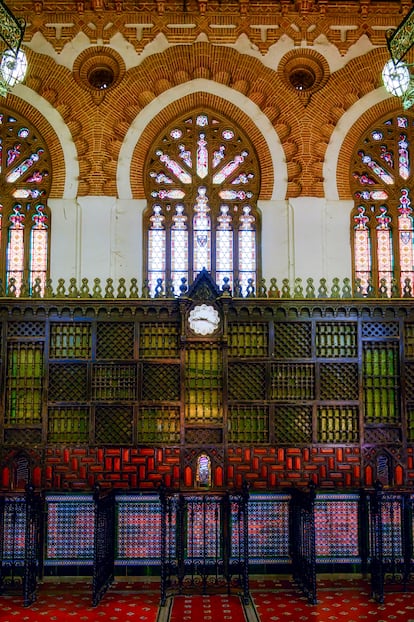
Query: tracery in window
x=202, y=184
x=24, y=216
x=382, y=221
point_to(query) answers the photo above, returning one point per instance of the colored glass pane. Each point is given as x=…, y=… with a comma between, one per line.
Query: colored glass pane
x=362, y=248
x=384, y=248
x=229, y=168
x=381, y=176
x=156, y=255
x=406, y=238
x=379, y=171
x=224, y=246
x=174, y=167
x=202, y=157
x=201, y=232
x=403, y=157
x=247, y=248
x=25, y=176
x=179, y=248
x=15, y=249
x=38, y=249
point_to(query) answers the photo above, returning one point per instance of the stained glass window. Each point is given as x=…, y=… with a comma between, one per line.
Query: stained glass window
x=24, y=216
x=202, y=184
x=382, y=221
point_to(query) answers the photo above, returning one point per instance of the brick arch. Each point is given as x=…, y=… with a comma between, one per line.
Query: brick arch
x=179, y=66
x=360, y=127
x=184, y=105
x=50, y=138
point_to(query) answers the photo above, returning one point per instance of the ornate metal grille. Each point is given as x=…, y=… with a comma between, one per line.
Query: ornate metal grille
x=337, y=424
x=248, y=424
x=115, y=340
x=293, y=340
x=268, y=528
x=113, y=425
x=337, y=528
x=293, y=424
x=70, y=529
x=203, y=384
x=159, y=424
x=158, y=340
x=139, y=530
x=70, y=340
x=337, y=339
x=68, y=382
x=248, y=340
x=114, y=383
x=68, y=424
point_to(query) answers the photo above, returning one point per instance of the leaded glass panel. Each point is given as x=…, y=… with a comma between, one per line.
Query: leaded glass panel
x=24, y=169
x=202, y=188
x=381, y=179
x=24, y=383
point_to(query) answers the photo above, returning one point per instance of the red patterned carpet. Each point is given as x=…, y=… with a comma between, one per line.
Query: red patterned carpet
x=342, y=600
x=205, y=608
x=63, y=601
x=274, y=600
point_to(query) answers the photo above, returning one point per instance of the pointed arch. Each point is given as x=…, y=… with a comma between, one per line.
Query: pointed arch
x=203, y=476
x=161, y=111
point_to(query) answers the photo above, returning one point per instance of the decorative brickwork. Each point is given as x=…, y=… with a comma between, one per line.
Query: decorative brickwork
x=198, y=45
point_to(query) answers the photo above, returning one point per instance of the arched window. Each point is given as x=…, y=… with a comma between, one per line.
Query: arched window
x=202, y=184
x=382, y=220
x=203, y=474
x=24, y=216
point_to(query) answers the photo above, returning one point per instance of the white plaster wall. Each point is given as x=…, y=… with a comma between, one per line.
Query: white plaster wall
x=102, y=237
x=276, y=247
x=307, y=237
x=320, y=239
x=337, y=255
x=95, y=234
x=64, y=247
x=96, y=237
x=127, y=255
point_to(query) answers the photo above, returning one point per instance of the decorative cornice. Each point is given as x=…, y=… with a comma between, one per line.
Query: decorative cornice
x=263, y=23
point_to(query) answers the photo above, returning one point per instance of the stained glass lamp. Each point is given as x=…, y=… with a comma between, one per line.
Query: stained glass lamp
x=12, y=69
x=13, y=62
x=396, y=78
